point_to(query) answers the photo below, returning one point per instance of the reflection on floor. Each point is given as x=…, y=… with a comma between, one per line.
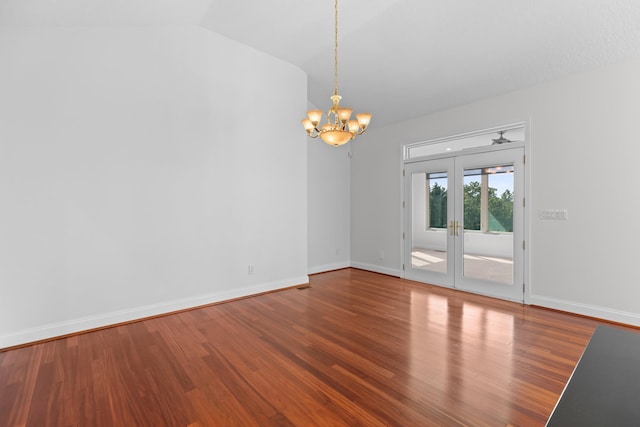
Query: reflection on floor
x=483, y=267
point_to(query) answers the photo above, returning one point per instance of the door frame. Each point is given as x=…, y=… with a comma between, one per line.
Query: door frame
x=526, y=212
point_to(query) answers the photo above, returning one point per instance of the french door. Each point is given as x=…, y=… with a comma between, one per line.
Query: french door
x=464, y=222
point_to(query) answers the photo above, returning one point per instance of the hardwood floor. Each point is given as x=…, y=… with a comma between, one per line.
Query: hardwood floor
x=357, y=348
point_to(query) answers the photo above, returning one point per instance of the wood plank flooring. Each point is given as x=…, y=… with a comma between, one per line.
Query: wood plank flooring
x=355, y=349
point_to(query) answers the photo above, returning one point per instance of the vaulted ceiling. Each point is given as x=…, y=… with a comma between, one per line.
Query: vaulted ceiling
x=398, y=58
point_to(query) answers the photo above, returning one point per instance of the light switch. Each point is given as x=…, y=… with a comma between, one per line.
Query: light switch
x=553, y=214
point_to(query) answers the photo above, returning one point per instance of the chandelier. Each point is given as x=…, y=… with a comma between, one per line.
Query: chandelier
x=340, y=128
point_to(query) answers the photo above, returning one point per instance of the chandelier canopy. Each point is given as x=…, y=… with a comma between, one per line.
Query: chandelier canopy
x=340, y=128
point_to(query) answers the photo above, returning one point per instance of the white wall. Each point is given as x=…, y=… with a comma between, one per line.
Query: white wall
x=328, y=205
x=376, y=202
x=584, y=149
x=141, y=171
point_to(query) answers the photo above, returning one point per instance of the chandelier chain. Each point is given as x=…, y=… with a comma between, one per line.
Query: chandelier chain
x=335, y=52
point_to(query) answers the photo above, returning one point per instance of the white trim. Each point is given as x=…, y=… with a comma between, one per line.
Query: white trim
x=137, y=313
x=494, y=129
x=402, y=204
x=597, y=312
x=377, y=269
x=528, y=210
x=468, y=151
x=329, y=267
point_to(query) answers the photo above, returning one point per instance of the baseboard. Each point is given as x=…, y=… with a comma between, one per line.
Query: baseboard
x=604, y=313
x=329, y=267
x=53, y=330
x=377, y=269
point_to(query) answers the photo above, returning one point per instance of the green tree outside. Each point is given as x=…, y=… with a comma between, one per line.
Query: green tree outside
x=437, y=207
x=500, y=208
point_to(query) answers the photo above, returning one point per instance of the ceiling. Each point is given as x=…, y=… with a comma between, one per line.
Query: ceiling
x=398, y=58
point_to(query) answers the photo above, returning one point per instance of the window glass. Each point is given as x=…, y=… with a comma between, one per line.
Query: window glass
x=462, y=142
x=437, y=213
x=500, y=200
x=488, y=193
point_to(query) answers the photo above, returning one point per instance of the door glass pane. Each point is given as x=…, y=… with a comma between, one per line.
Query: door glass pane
x=429, y=221
x=488, y=223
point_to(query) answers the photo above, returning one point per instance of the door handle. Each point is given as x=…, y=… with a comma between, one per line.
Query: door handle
x=451, y=228
x=457, y=228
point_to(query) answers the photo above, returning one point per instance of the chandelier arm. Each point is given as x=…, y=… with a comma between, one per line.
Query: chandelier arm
x=332, y=117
